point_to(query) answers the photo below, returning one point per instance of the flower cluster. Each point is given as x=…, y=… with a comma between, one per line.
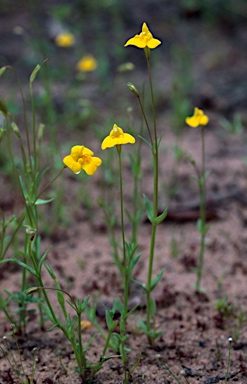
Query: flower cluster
x=82, y=157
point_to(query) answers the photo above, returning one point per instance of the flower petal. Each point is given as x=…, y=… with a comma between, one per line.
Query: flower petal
x=91, y=168
x=76, y=151
x=127, y=139
x=72, y=164
x=145, y=28
x=137, y=41
x=87, y=151
x=153, y=43
x=192, y=121
x=204, y=120
x=108, y=142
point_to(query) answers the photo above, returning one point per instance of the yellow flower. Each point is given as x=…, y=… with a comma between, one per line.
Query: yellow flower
x=144, y=39
x=65, y=39
x=81, y=158
x=117, y=137
x=87, y=64
x=85, y=324
x=197, y=119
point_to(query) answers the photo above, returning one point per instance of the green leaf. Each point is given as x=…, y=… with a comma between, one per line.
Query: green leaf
x=147, y=142
x=43, y=259
x=134, y=261
x=202, y=227
x=19, y=262
x=143, y=326
x=50, y=271
x=89, y=343
x=119, y=306
x=23, y=187
x=155, y=281
x=42, y=201
x=132, y=310
x=161, y=217
x=82, y=304
x=47, y=312
x=149, y=209
x=153, y=306
x=108, y=319
x=60, y=298
x=143, y=285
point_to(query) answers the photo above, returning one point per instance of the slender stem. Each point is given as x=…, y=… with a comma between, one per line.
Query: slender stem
x=81, y=352
x=49, y=183
x=21, y=219
x=155, y=210
x=145, y=119
x=107, y=343
x=34, y=130
x=121, y=203
x=229, y=359
x=126, y=271
x=24, y=109
x=202, y=192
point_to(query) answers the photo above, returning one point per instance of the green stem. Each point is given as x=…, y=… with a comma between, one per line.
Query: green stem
x=24, y=110
x=81, y=352
x=155, y=210
x=34, y=132
x=43, y=288
x=136, y=195
x=145, y=119
x=126, y=272
x=49, y=183
x=121, y=203
x=21, y=219
x=202, y=192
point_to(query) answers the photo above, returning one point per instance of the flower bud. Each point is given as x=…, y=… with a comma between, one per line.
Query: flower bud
x=3, y=108
x=133, y=89
x=2, y=132
x=126, y=67
x=2, y=70
x=15, y=129
x=31, y=231
x=41, y=131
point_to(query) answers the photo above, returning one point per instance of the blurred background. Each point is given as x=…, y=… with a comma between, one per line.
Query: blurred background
x=203, y=56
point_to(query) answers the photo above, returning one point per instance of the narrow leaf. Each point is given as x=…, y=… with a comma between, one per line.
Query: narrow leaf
x=42, y=201
x=43, y=259
x=134, y=261
x=155, y=281
x=161, y=217
x=149, y=209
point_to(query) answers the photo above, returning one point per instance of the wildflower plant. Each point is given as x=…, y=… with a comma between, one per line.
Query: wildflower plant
x=146, y=41
x=117, y=138
x=29, y=179
x=199, y=119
